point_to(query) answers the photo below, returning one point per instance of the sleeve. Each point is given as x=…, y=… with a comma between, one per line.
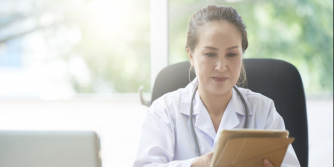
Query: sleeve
x=275, y=121
x=157, y=142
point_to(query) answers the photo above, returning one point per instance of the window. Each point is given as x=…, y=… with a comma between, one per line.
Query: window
x=299, y=32
x=54, y=49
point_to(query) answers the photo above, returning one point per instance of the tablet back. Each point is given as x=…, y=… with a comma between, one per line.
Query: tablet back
x=49, y=148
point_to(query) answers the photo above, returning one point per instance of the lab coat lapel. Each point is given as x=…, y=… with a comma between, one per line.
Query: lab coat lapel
x=230, y=118
x=203, y=119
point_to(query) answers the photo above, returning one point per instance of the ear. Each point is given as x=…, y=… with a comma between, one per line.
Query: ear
x=190, y=56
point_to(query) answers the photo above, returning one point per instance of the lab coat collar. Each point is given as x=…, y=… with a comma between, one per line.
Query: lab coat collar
x=236, y=102
x=230, y=118
x=203, y=121
x=187, y=93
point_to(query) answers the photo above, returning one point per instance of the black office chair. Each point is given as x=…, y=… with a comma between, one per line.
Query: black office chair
x=275, y=79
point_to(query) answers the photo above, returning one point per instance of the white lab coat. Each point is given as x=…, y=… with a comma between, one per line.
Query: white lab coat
x=166, y=139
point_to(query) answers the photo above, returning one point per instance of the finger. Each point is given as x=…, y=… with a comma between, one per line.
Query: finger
x=209, y=157
x=210, y=154
x=267, y=163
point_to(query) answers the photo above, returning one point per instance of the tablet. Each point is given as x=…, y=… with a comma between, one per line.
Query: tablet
x=236, y=146
x=225, y=135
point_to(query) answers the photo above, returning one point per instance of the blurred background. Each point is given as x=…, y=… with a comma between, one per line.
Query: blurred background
x=78, y=64
x=297, y=31
x=54, y=49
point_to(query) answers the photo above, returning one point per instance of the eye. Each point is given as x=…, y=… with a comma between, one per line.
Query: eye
x=231, y=54
x=210, y=54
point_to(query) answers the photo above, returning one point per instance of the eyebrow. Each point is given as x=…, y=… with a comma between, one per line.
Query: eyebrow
x=209, y=47
x=213, y=48
x=232, y=47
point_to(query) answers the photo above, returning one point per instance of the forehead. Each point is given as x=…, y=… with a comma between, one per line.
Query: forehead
x=219, y=34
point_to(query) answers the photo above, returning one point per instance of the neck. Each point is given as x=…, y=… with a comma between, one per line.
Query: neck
x=215, y=104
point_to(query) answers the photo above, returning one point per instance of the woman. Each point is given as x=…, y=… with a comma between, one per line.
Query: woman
x=216, y=42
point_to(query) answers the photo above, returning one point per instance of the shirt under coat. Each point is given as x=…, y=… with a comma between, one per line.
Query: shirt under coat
x=166, y=139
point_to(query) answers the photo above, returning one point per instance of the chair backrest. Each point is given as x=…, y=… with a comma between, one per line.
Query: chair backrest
x=275, y=79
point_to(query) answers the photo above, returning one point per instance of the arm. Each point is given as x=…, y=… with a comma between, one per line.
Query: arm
x=157, y=141
x=275, y=121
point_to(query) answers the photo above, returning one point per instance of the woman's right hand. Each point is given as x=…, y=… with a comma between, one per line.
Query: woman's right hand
x=203, y=161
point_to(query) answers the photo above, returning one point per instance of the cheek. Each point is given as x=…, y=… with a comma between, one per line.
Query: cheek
x=236, y=69
x=203, y=67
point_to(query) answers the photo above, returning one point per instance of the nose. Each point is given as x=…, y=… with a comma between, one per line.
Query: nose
x=221, y=64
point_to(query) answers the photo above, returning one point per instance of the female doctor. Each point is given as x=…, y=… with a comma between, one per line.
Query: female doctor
x=216, y=42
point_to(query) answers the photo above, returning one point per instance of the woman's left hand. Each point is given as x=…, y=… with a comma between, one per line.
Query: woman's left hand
x=267, y=163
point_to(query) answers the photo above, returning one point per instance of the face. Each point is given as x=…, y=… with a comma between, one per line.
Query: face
x=217, y=57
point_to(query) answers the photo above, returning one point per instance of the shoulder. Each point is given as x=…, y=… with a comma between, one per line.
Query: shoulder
x=168, y=100
x=167, y=106
x=263, y=109
x=255, y=98
x=258, y=104
x=175, y=102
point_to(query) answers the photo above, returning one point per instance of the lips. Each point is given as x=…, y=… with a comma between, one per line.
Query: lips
x=220, y=79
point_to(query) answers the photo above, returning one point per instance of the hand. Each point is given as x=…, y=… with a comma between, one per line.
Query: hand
x=267, y=163
x=203, y=161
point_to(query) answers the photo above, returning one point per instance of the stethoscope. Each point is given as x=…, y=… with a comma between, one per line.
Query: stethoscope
x=191, y=116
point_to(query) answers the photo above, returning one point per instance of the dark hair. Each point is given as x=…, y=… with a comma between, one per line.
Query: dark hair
x=217, y=13
x=214, y=13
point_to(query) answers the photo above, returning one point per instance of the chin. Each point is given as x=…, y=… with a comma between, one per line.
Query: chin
x=221, y=90
x=217, y=89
